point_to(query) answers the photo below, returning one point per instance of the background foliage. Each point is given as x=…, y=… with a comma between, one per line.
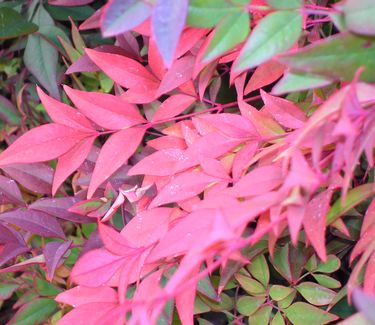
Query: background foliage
x=201, y=161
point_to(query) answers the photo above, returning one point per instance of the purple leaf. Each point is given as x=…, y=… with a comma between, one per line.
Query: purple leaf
x=59, y=208
x=11, y=244
x=53, y=253
x=36, y=222
x=9, y=192
x=120, y=16
x=36, y=177
x=21, y=266
x=168, y=21
x=365, y=304
x=69, y=3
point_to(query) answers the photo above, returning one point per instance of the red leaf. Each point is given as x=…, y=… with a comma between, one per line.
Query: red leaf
x=168, y=21
x=264, y=74
x=81, y=295
x=126, y=72
x=173, y=106
x=108, y=111
x=259, y=181
x=183, y=187
x=180, y=72
x=314, y=221
x=114, y=153
x=64, y=114
x=283, y=111
x=53, y=253
x=42, y=143
x=70, y=162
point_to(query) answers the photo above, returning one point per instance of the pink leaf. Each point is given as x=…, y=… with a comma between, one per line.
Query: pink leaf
x=126, y=72
x=259, y=181
x=283, y=111
x=232, y=125
x=108, y=111
x=91, y=313
x=70, y=162
x=314, y=221
x=81, y=295
x=114, y=242
x=173, y=106
x=114, y=153
x=147, y=226
x=42, y=143
x=168, y=21
x=183, y=187
x=180, y=72
x=159, y=163
x=63, y=114
x=264, y=74
x=69, y=2
x=53, y=253
x=213, y=167
x=96, y=267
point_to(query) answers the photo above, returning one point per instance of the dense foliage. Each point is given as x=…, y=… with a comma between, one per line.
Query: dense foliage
x=182, y=161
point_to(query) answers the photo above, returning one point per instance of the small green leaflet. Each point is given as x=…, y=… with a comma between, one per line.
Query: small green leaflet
x=337, y=57
x=12, y=24
x=207, y=13
x=301, y=313
x=285, y=4
x=274, y=34
x=231, y=31
x=359, y=16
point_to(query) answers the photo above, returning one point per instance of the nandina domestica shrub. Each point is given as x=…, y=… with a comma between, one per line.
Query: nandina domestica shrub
x=225, y=176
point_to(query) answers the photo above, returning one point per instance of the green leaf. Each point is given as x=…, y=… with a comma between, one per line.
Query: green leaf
x=285, y=4
x=281, y=262
x=250, y=285
x=354, y=197
x=41, y=57
x=261, y=316
x=12, y=24
x=34, y=312
x=327, y=281
x=301, y=313
x=278, y=319
x=274, y=34
x=297, y=81
x=200, y=307
x=316, y=294
x=258, y=268
x=279, y=292
x=8, y=112
x=45, y=288
x=225, y=303
x=359, y=16
x=336, y=57
x=6, y=290
x=331, y=265
x=207, y=13
x=76, y=13
x=231, y=31
x=249, y=305
x=287, y=301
